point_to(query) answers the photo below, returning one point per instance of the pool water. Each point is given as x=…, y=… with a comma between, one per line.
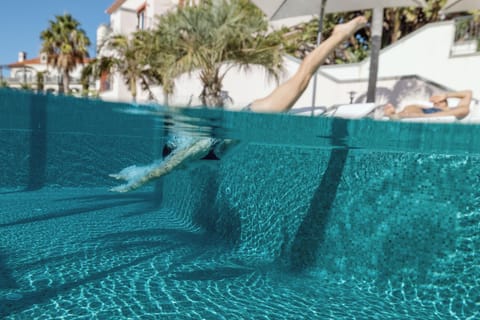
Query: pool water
x=307, y=218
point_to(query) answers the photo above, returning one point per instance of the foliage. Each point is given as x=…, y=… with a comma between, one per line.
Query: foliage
x=65, y=44
x=213, y=37
x=130, y=57
x=301, y=39
x=85, y=76
x=25, y=86
x=398, y=22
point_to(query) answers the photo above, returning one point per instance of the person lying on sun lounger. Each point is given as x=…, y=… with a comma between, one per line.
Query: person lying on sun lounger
x=280, y=100
x=440, y=107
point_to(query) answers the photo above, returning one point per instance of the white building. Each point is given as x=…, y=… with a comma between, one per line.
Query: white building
x=24, y=73
x=126, y=17
x=424, y=62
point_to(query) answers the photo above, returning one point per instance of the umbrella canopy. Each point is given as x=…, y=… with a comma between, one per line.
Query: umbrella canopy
x=282, y=9
x=460, y=5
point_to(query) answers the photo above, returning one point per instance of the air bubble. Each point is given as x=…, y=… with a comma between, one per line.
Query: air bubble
x=14, y=296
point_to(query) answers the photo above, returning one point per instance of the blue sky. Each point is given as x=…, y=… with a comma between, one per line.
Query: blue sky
x=22, y=21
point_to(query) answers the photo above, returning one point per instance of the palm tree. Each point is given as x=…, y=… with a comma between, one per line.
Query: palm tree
x=88, y=71
x=66, y=46
x=129, y=57
x=213, y=37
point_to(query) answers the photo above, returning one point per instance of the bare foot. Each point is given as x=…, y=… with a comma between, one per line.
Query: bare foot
x=388, y=110
x=345, y=30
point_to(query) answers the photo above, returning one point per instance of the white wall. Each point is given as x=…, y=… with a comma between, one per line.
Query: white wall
x=244, y=86
x=123, y=21
x=157, y=8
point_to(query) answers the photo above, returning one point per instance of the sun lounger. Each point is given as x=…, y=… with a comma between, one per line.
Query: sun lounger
x=307, y=111
x=351, y=111
x=348, y=111
x=472, y=117
x=363, y=110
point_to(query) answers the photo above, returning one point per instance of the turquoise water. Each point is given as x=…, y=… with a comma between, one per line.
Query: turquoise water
x=308, y=218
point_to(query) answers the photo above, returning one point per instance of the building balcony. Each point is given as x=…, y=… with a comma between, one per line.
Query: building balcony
x=48, y=80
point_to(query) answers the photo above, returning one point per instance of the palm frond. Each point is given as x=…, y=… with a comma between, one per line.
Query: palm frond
x=215, y=34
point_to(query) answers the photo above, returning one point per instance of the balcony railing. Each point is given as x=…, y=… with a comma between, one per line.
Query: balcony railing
x=28, y=76
x=467, y=36
x=29, y=80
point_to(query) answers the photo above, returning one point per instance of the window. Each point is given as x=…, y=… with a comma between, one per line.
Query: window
x=43, y=58
x=24, y=75
x=105, y=81
x=141, y=16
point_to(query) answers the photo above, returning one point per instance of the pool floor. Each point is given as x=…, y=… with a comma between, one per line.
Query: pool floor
x=85, y=253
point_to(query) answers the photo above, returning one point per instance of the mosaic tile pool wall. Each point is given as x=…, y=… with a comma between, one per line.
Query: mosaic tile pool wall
x=391, y=209
x=60, y=140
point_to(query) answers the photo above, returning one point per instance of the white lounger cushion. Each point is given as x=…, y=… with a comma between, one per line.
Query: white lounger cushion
x=351, y=111
x=444, y=119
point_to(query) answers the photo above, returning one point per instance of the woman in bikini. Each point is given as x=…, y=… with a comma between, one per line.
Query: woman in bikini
x=440, y=107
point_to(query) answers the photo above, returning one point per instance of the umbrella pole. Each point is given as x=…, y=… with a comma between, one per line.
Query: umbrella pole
x=319, y=39
x=377, y=29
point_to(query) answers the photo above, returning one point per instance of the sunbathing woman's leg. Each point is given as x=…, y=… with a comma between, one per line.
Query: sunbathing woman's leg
x=410, y=111
x=285, y=95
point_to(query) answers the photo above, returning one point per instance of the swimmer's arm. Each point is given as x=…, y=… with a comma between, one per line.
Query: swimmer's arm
x=176, y=159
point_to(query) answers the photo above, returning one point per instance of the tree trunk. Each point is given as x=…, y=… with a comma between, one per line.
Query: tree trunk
x=40, y=82
x=66, y=82
x=396, y=26
x=85, y=88
x=212, y=87
x=133, y=89
x=211, y=96
x=166, y=98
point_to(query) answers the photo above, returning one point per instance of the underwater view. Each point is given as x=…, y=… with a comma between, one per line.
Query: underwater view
x=304, y=218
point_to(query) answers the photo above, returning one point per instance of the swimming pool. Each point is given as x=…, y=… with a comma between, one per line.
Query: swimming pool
x=309, y=218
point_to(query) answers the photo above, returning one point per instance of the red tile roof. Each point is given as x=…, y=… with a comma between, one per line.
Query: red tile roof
x=24, y=63
x=35, y=61
x=142, y=7
x=117, y=4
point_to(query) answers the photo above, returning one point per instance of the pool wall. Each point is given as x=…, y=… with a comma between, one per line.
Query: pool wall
x=407, y=222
